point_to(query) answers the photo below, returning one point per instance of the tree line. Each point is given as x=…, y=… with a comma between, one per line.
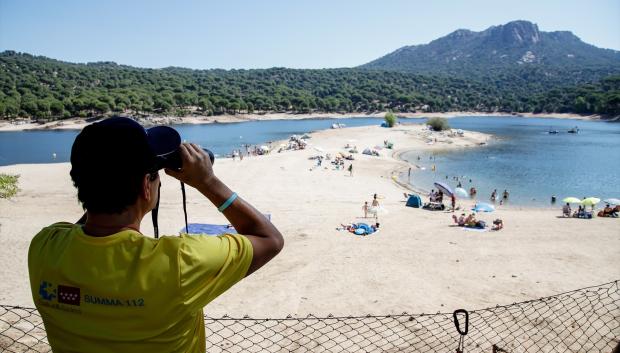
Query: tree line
x=47, y=89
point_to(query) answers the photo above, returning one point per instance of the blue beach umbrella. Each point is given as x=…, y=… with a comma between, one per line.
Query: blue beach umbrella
x=444, y=188
x=483, y=207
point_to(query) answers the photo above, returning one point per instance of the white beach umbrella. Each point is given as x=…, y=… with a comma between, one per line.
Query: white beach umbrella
x=460, y=192
x=612, y=201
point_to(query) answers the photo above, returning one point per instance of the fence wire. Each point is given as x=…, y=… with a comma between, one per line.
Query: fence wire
x=584, y=320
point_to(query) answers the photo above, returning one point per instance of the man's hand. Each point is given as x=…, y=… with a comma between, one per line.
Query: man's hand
x=197, y=169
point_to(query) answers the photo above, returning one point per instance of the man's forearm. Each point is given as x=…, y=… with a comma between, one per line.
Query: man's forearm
x=243, y=216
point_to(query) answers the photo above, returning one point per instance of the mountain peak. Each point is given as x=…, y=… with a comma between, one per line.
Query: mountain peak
x=506, y=46
x=514, y=33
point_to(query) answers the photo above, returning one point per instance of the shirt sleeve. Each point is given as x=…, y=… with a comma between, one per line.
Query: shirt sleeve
x=209, y=265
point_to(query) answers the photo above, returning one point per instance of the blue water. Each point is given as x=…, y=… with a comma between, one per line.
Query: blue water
x=38, y=146
x=524, y=159
x=527, y=161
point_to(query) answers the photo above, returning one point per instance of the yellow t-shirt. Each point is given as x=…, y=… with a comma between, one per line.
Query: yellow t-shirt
x=130, y=293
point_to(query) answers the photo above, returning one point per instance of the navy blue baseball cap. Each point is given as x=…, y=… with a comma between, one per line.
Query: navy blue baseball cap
x=120, y=141
x=162, y=140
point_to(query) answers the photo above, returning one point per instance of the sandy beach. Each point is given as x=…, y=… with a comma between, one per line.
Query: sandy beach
x=418, y=261
x=79, y=123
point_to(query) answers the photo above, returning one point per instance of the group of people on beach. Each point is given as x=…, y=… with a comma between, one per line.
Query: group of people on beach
x=470, y=221
x=373, y=208
x=581, y=212
x=609, y=211
x=362, y=228
x=246, y=151
x=504, y=198
x=436, y=196
x=338, y=162
x=237, y=154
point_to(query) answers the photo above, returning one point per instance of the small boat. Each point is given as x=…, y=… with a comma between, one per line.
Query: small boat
x=553, y=132
x=338, y=126
x=574, y=130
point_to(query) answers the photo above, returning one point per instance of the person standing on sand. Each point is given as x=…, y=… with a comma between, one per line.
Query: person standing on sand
x=374, y=207
x=351, y=169
x=365, y=209
x=100, y=285
x=453, y=202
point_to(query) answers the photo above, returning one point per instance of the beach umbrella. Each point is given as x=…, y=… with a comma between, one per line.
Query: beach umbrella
x=612, y=201
x=483, y=207
x=571, y=200
x=590, y=201
x=460, y=192
x=444, y=188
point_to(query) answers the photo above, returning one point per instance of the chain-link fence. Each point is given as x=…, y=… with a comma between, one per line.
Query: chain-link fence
x=584, y=320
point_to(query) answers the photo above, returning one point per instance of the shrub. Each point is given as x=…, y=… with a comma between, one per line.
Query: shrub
x=8, y=185
x=390, y=119
x=438, y=124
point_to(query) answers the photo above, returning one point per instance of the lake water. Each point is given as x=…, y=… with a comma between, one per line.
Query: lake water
x=529, y=162
x=38, y=146
x=525, y=159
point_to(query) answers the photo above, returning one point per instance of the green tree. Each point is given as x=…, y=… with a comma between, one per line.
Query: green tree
x=438, y=124
x=390, y=119
x=57, y=108
x=580, y=105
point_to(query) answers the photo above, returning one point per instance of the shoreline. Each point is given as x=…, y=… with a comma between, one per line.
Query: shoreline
x=79, y=123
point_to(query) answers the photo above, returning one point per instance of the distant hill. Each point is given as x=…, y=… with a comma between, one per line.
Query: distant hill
x=517, y=46
x=47, y=89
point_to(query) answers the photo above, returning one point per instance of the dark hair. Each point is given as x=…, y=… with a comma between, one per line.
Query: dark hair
x=108, y=164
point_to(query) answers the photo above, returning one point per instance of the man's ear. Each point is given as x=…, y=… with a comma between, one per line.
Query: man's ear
x=146, y=192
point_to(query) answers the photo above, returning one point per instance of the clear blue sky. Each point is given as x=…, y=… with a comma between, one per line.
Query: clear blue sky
x=267, y=33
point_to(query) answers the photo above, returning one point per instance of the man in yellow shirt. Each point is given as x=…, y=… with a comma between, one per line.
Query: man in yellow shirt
x=103, y=286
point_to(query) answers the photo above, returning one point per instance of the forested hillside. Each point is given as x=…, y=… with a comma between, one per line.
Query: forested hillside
x=43, y=88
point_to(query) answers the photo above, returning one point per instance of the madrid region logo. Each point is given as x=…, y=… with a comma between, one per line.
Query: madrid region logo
x=47, y=291
x=64, y=294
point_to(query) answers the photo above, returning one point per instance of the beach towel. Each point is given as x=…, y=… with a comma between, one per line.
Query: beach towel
x=213, y=229
x=209, y=229
x=360, y=229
